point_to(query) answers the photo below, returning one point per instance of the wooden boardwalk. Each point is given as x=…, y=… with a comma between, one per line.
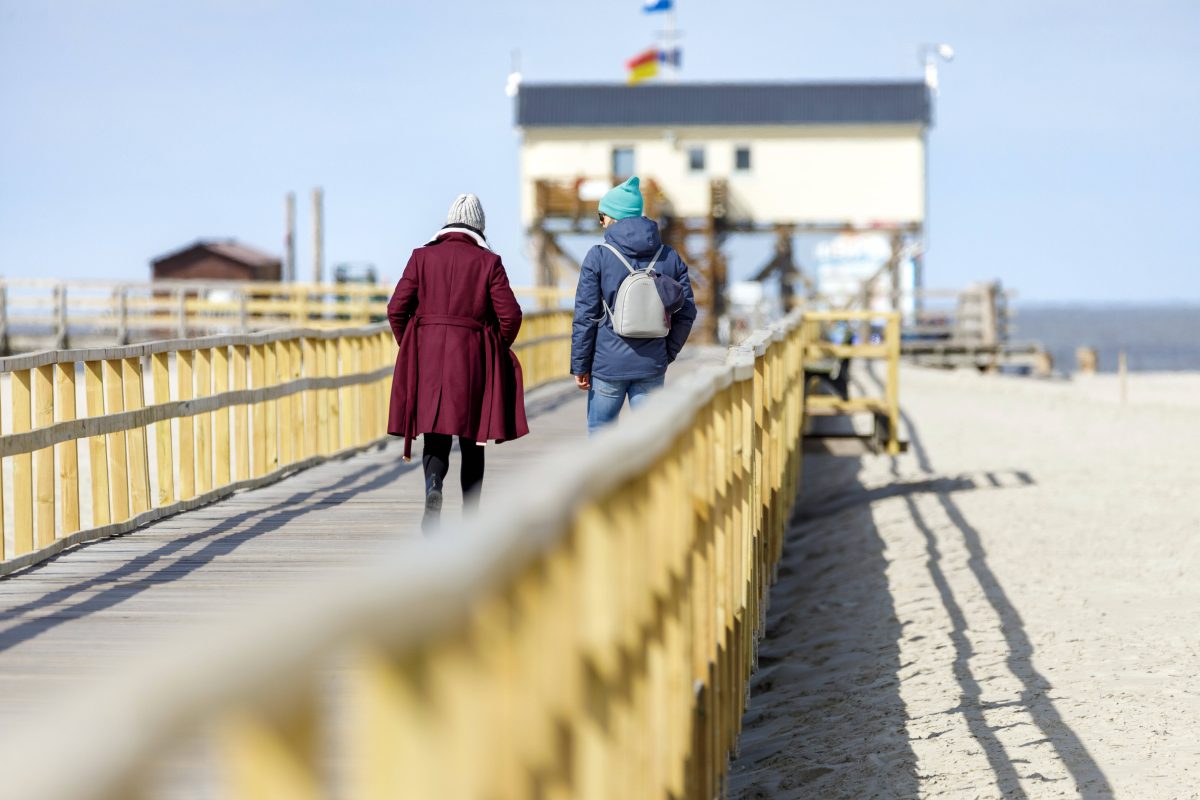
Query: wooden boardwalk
x=84, y=612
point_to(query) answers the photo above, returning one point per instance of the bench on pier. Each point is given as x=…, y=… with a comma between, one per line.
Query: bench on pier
x=827, y=382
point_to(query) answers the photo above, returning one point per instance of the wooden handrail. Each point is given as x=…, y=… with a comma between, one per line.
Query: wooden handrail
x=818, y=346
x=223, y=413
x=38, y=312
x=592, y=637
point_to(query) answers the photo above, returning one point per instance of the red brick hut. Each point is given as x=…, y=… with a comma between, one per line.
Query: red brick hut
x=217, y=260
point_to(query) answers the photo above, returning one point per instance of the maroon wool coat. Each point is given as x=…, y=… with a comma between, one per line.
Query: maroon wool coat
x=455, y=318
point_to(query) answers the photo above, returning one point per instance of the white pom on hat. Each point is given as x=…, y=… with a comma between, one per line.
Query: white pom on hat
x=466, y=210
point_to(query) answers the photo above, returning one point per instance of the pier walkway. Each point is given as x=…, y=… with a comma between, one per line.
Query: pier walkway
x=85, y=612
x=1004, y=611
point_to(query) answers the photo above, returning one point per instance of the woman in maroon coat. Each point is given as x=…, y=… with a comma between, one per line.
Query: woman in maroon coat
x=455, y=318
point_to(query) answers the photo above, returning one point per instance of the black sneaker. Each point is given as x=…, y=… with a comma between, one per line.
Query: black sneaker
x=433, y=509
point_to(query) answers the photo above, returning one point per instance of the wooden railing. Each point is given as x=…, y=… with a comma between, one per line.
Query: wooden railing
x=818, y=346
x=175, y=424
x=36, y=313
x=591, y=638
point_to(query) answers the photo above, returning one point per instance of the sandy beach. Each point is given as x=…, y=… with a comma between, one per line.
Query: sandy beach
x=1009, y=610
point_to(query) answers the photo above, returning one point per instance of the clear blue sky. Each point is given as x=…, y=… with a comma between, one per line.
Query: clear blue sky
x=1066, y=158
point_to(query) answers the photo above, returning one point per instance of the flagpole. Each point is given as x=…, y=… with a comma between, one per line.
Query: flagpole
x=668, y=41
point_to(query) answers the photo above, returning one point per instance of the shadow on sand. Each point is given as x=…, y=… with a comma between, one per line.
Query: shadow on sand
x=826, y=719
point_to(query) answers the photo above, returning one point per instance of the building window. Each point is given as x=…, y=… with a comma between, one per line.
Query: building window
x=741, y=159
x=696, y=159
x=622, y=163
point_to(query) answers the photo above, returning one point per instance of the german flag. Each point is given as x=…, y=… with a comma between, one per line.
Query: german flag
x=643, y=66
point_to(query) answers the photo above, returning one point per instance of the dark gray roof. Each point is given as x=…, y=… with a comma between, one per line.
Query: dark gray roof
x=568, y=105
x=230, y=249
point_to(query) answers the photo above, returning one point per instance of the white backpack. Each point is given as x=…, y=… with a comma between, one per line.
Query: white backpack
x=638, y=311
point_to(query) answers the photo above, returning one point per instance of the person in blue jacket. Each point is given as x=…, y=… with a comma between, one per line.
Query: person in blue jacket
x=607, y=366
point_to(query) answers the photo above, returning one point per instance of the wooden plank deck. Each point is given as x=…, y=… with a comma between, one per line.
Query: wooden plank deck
x=85, y=612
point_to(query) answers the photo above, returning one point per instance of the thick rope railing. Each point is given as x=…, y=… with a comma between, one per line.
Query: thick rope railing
x=218, y=415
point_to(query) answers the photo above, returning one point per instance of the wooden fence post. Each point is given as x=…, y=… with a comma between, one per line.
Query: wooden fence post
x=220, y=364
x=314, y=405
x=60, y=316
x=241, y=363
x=893, y=385
x=97, y=445
x=185, y=386
x=300, y=424
x=346, y=393
x=204, y=449
x=3, y=555
x=160, y=367
x=287, y=425
x=122, y=299
x=68, y=452
x=258, y=431
x=271, y=430
x=243, y=312
x=43, y=397
x=118, y=468
x=3, y=320
x=331, y=416
x=139, y=470
x=22, y=397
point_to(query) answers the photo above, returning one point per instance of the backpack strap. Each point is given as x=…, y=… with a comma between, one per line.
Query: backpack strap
x=622, y=258
x=625, y=261
x=654, y=260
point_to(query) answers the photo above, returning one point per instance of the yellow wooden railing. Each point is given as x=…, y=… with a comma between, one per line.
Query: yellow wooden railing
x=818, y=346
x=40, y=313
x=591, y=638
x=171, y=425
x=594, y=641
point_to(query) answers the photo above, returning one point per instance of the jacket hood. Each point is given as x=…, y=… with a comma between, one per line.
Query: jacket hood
x=635, y=236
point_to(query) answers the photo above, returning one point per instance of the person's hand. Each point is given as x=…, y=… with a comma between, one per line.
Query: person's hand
x=584, y=381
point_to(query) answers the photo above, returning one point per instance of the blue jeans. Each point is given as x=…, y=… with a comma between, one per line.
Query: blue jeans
x=606, y=398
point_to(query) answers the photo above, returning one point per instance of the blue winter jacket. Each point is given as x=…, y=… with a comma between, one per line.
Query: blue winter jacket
x=595, y=347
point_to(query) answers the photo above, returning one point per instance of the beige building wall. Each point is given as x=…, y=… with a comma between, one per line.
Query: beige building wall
x=859, y=174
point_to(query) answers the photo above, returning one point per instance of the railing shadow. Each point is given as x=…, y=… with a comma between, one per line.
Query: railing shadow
x=136, y=576
x=828, y=690
x=1090, y=781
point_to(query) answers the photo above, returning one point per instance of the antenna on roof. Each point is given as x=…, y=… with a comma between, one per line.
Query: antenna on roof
x=928, y=55
x=513, y=86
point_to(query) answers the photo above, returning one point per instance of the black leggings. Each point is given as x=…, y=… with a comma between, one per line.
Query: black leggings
x=436, y=461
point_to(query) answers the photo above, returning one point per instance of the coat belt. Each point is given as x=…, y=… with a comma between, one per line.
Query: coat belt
x=449, y=319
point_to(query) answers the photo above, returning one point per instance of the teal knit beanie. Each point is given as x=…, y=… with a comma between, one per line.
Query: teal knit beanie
x=623, y=201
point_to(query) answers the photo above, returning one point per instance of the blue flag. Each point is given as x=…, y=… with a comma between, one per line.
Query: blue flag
x=650, y=6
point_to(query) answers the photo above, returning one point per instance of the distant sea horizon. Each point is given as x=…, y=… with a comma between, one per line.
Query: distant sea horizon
x=1156, y=337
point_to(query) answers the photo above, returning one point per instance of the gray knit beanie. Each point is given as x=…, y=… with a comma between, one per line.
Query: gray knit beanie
x=466, y=210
